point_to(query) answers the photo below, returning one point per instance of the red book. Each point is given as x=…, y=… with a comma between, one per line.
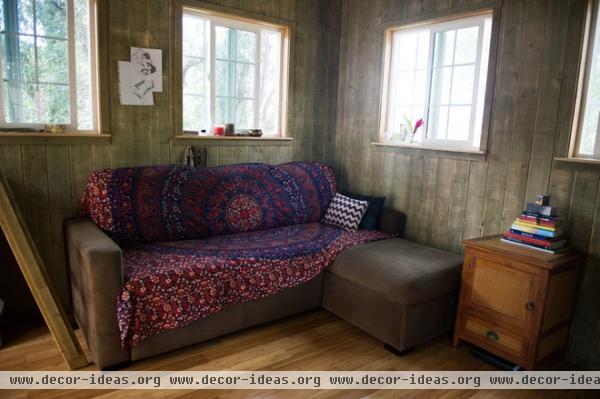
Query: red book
x=534, y=241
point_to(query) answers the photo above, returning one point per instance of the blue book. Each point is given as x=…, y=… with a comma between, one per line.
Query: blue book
x=545, y=234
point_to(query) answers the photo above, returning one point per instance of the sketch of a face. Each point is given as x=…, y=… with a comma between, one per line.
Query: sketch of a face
x=143, y=62
x=146, y=66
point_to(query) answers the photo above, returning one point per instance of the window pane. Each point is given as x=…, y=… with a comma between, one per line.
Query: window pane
x=24, y=16
x=222, y=111
x=222, y=78
x=444, y=48
x=420, y=88
x=244, y=114
x=245, y=76
x=408, y=47
x=195, y=35
x=404, y=82
x=466, y=45
x=195, y=73
x=194, y=76
x=51, y=18
x=236, y=77
x=22, y=66
x=21, y=21
x=408, y=81
x=459, y=122
x=589, y=141
x=462, y=85
x=51, y=60
x=270, y=77
x=56, y=104
x=83, y=66
x=43, y=104
x=222, y=43
x=195, y=116
x=438, y=121
x=440, y=86
x=423, y=50
x=26, y=101
x=246, y=46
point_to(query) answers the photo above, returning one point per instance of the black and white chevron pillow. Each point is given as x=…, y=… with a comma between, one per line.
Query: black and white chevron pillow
x=345, y=212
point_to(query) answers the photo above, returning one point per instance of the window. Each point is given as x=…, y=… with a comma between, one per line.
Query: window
x=233, y=71
x=47, y=63
x=437, y=72
x=587, y=122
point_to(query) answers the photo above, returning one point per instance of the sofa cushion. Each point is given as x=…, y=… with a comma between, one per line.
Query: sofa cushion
x=173, y=202
x=402, y=270
x=169, y=285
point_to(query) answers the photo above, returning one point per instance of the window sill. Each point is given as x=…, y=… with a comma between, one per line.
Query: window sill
x=53, y=138
x=587, y=161
x=233, y=140
x=462, y=153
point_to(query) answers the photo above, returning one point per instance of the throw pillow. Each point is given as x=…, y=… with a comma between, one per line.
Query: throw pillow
x=370, y=220
x=345, y=212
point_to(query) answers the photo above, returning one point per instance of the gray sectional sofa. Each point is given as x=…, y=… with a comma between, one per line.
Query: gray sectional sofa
x=401, y=292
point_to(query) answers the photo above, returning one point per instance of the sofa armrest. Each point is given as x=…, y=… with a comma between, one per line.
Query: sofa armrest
x=95, y=263
x=392, y=222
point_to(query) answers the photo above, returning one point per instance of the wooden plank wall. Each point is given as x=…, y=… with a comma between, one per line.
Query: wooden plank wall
x=48, y=179
x=448, y=199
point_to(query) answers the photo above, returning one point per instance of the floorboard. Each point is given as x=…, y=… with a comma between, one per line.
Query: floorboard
x=312, y=341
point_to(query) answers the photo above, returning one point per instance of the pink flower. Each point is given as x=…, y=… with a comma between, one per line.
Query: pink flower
x=418, y=124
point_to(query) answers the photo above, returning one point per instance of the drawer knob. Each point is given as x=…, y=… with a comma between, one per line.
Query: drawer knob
x=530, y=306
x=493, y=335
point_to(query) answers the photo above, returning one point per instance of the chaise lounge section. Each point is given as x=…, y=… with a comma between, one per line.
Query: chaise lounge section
x=401, y=292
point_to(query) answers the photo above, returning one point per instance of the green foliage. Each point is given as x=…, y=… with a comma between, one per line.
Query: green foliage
x=36, y=61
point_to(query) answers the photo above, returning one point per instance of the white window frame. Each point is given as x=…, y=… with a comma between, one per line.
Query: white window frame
x=218, y=19
x=590, y=29
x=437, y=26
x=93, y=46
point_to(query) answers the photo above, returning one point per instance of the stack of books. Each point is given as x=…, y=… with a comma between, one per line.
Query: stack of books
x=538, y=227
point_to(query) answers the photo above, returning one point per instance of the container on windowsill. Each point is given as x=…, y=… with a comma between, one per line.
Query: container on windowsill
x=54, y=128
x=219, y=130
x=229, y=129
x=400, y=136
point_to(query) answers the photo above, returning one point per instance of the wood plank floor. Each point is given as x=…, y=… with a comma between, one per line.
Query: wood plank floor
x=312, y=341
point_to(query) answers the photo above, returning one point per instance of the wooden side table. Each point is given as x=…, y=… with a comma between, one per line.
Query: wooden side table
x=516, y=302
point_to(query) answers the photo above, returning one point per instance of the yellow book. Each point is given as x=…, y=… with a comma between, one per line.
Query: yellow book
x=534, y=225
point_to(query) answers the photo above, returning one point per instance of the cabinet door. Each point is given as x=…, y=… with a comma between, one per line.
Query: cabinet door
x=495, y=288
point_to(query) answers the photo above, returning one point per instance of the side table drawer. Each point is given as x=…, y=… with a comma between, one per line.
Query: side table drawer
x=494, y=338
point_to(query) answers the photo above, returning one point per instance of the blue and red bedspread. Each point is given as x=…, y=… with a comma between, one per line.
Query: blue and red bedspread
x=171, y=284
